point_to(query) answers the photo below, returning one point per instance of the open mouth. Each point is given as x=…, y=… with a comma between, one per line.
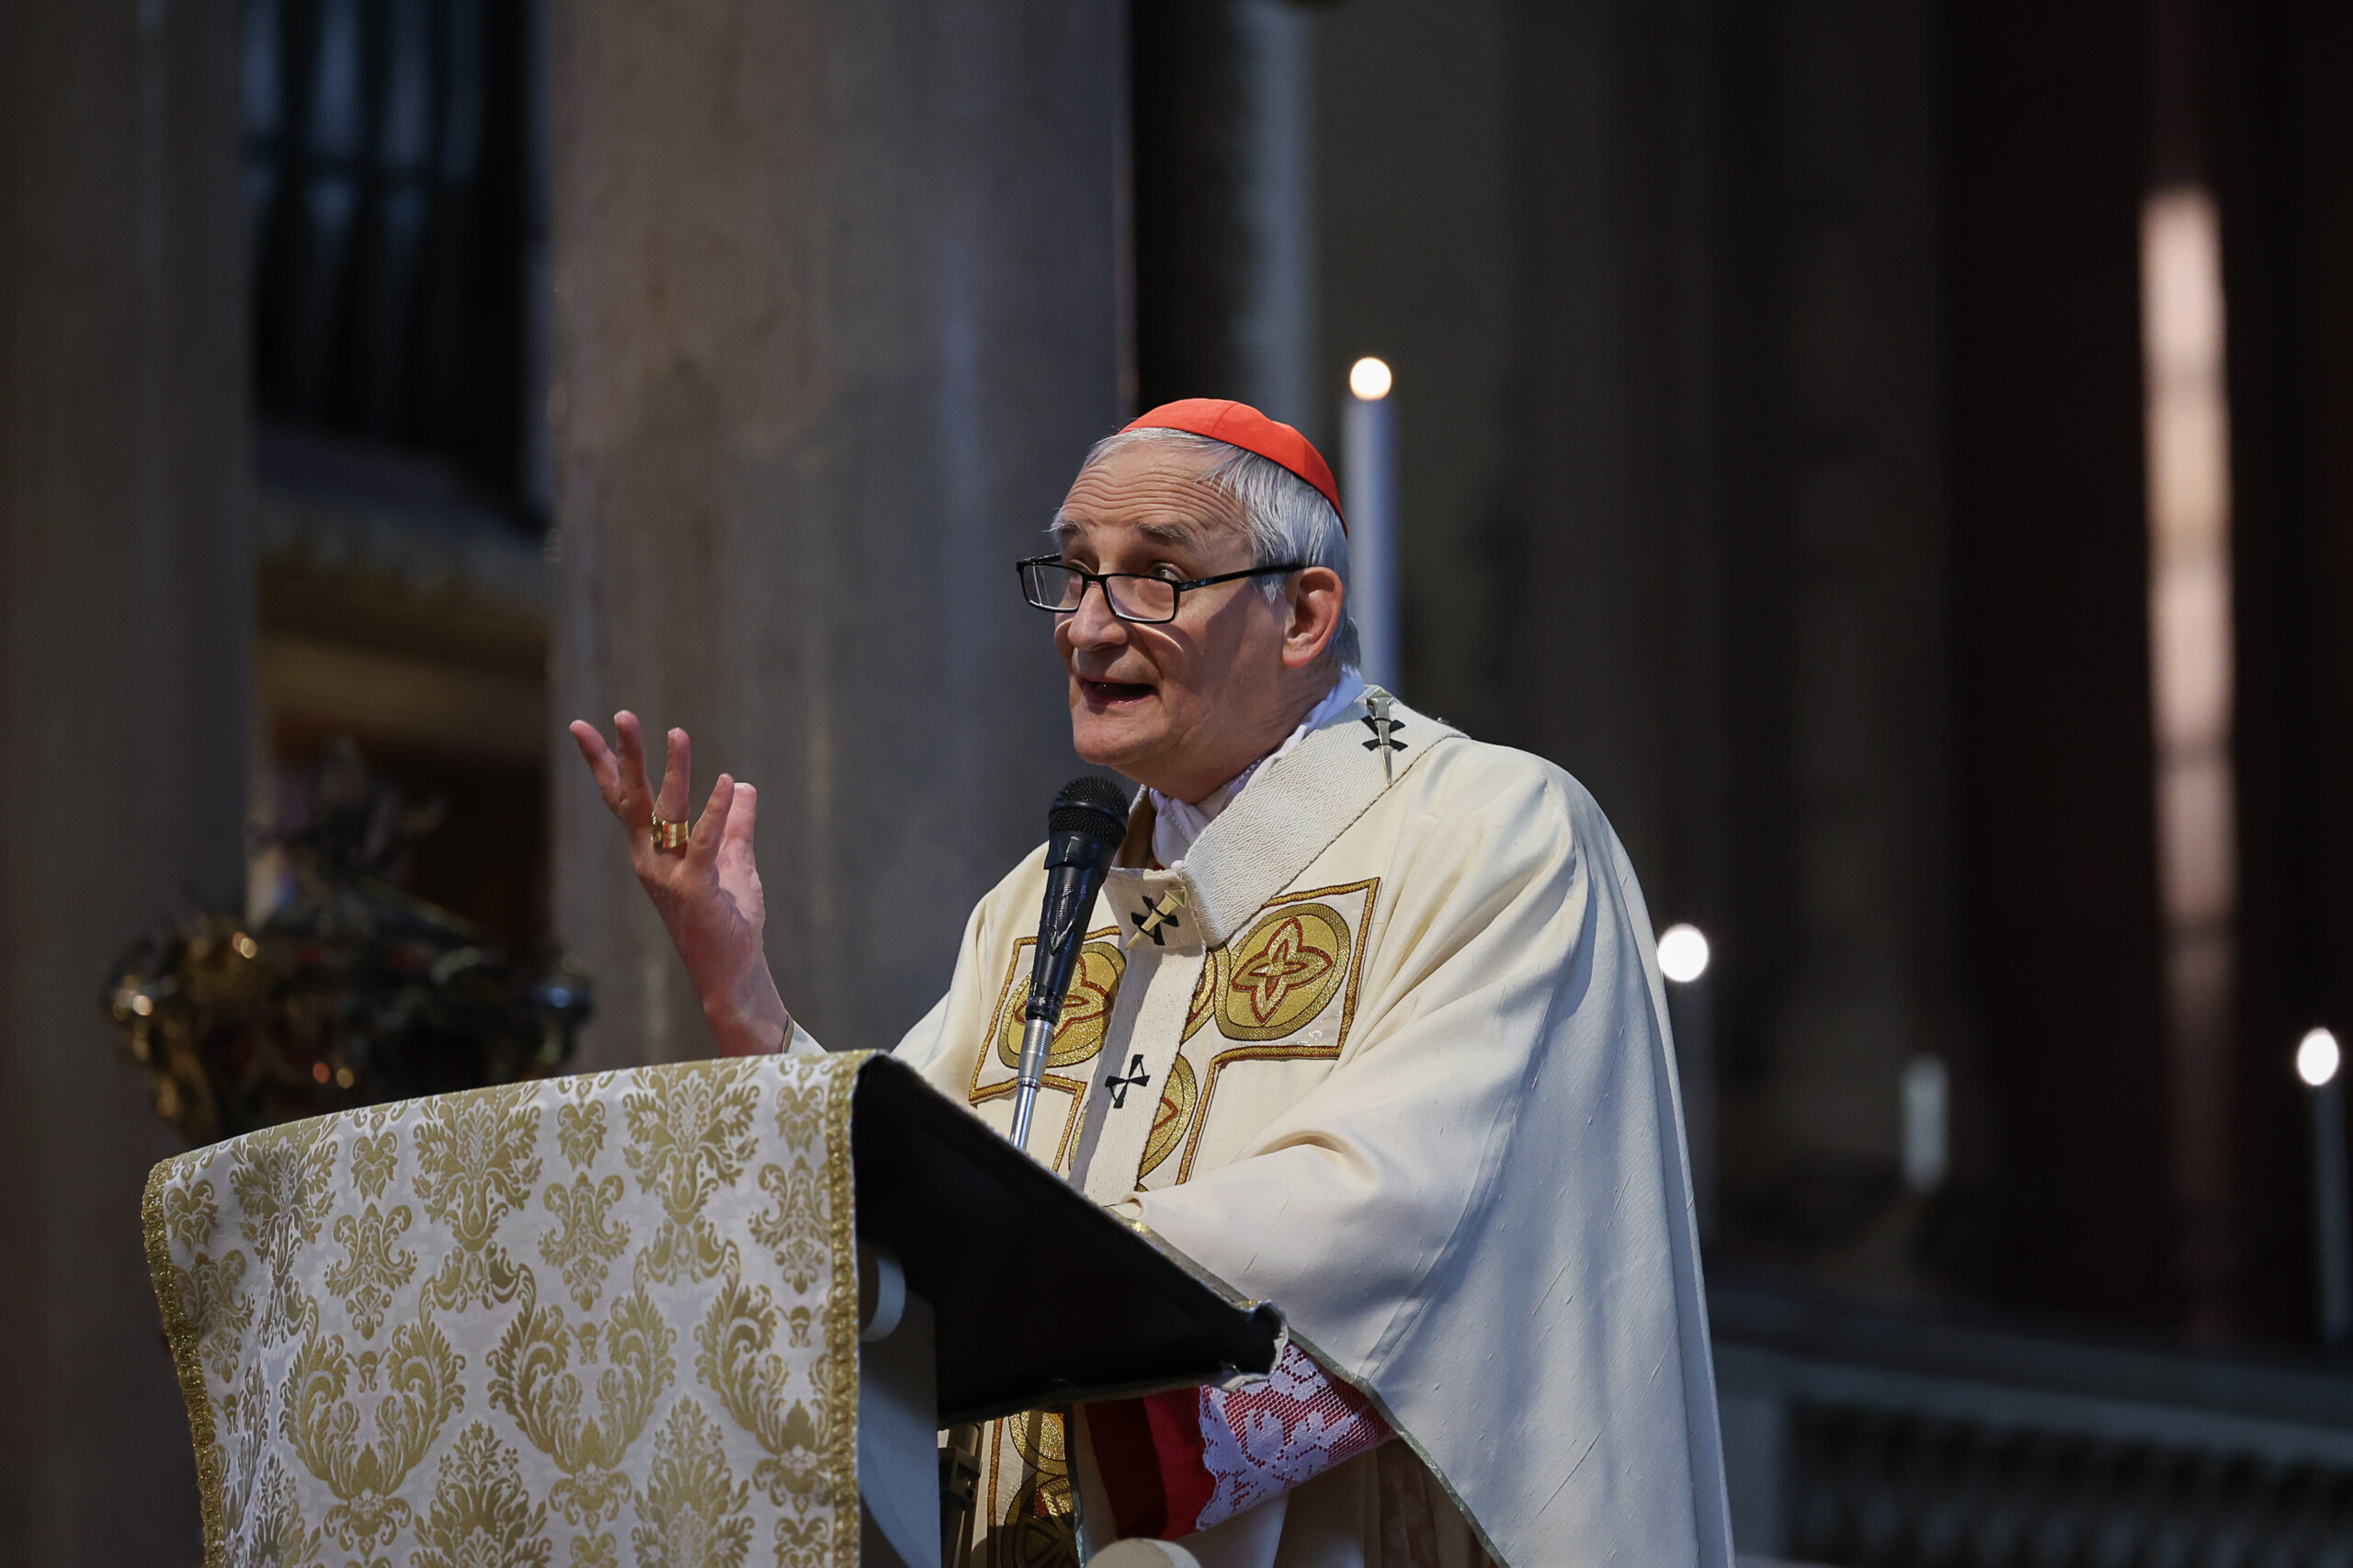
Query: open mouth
x=1106, y=693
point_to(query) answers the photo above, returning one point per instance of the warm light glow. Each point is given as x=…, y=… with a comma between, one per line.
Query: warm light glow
x=2318, y=1058
x=1682, y=953
x=2190, y=556
x=1369, y=378
x=2184, y=349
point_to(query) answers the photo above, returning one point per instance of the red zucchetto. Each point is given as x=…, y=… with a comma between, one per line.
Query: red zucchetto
x=1239, y=424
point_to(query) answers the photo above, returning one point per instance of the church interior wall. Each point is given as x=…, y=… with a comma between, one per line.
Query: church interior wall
x=1769, y=389
x=1822, y=372
x=1730, y=503
x=2270, y=126
x=389, y=177
x=2051, y=571
x=1414, y=211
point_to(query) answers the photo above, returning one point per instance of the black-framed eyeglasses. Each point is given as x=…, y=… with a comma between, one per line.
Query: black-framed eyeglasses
x=1050, y=584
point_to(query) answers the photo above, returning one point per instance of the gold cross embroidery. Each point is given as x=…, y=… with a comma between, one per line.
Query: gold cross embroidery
x=1163, y=913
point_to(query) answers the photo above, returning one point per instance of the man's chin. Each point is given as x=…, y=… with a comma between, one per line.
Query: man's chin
x=1116, y=735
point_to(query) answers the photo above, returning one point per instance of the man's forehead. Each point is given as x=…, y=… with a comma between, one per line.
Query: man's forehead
x=1163, y=494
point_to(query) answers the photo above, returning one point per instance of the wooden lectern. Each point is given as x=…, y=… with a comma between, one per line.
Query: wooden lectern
x=713, y=1311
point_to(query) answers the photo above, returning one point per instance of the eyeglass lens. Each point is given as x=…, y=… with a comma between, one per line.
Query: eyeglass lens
x=1135, y=598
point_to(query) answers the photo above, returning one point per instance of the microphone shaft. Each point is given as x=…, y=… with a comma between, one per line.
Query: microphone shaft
x=1036, y=1035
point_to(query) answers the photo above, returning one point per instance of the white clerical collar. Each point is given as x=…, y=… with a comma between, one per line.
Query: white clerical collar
x=1175, y=823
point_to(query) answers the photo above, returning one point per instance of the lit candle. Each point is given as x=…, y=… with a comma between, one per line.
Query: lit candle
x=1368, y=487
x=2318, y=1064
x=1682, y=959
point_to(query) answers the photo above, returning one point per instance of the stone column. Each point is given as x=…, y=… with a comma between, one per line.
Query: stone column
x=125, y=605
x=836, y=318
x=1225, y=198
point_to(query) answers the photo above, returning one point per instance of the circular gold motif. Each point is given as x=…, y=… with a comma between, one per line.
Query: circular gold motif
x=1169, y=1121
x=1040, y=1526
x=1217, y=970
x=1087, y=1011
x=1285, y=970
x=1040, y=1530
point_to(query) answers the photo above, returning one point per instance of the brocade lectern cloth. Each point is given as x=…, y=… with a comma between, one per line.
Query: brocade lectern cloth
x=1389, y=1049
x=571, y=1323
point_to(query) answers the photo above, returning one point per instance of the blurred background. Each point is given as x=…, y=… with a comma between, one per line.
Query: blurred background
x=1898, y=453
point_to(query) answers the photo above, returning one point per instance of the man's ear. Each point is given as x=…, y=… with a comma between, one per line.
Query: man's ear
x=1315, y=599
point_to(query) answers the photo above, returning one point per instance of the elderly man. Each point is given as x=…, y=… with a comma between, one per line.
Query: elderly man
x=1368, y=1024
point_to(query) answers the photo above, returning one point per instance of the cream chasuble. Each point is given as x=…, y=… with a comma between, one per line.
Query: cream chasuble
x=1388, y=1048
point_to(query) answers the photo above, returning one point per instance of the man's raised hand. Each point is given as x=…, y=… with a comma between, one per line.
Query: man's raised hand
x=707, y=894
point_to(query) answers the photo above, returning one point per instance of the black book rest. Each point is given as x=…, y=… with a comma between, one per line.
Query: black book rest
x=990, y=1286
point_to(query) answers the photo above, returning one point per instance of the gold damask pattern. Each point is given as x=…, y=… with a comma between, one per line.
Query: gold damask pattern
x=570, y=1323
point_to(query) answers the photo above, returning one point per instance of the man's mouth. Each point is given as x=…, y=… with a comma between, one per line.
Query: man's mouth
x=1105, y=693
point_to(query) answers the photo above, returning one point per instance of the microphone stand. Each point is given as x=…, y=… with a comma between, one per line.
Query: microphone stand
x=1036, y=1034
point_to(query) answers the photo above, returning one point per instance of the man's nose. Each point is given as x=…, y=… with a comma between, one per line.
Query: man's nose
x=1092, y=624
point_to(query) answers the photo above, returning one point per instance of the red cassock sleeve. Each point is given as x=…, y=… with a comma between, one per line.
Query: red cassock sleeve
x=1173, y=1463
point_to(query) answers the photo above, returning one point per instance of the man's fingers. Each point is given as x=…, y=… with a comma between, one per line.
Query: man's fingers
x=702, y=848
x=599, y=758
x=742, y=815
x=677, y=777
x=636, y=796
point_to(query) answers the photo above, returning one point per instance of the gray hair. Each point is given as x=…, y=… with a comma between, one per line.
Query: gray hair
x=1286, y=517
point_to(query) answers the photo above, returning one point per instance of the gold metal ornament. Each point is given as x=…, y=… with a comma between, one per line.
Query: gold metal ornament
x=348, y=992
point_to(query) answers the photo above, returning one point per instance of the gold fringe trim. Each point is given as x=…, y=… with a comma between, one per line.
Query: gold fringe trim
x=185, y=1359
x=841, y=1303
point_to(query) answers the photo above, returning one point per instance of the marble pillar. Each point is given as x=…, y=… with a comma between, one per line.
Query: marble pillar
x=1225, y=207
x=835, y=315
x=125, y=611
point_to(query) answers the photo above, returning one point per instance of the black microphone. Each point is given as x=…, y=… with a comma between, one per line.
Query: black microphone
x=1088, y=820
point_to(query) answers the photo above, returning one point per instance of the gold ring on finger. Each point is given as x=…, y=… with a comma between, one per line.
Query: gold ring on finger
x=671, y=837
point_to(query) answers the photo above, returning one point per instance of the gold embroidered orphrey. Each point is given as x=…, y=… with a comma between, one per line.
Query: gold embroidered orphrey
x=580, y=1321
x=1293, y=967
x=1264, y=989
x=1077, y=1036
x=1284, y=990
